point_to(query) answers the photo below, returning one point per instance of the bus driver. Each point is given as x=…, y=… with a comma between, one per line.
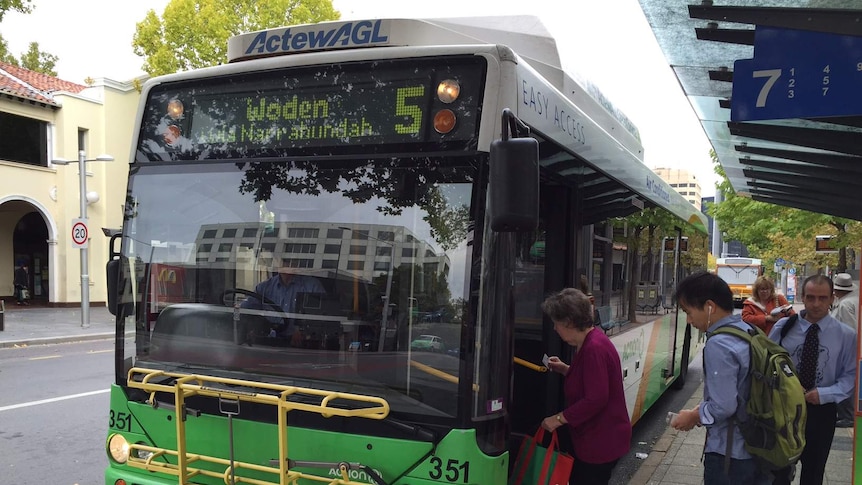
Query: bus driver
x=282, y=289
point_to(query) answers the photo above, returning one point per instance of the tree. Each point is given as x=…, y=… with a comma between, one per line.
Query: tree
x=23, y=6
x=36, y=60
x=644, y=236
x=771, y=231
x=193, y=33
x=5, y=55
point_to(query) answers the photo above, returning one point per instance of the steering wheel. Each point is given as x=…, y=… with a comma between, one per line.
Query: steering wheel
x=264, y=300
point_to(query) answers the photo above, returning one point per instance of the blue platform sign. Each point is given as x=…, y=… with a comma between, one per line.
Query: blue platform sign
x=798, y=74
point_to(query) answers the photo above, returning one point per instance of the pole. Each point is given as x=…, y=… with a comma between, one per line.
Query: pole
x=85, y=276
x=661, y=266
x=385, y=318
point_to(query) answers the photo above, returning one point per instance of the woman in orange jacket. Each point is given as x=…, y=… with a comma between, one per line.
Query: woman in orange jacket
x=758, y=309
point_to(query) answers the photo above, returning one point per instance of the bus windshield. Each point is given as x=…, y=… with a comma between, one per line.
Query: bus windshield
x=343, y=275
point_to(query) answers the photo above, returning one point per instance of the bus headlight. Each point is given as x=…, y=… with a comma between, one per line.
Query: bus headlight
x=448, y=90
x=143, y=454
x=118, y=448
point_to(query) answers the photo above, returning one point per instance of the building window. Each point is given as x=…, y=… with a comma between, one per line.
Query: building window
x=298, y=263
x=329, y=264
x=268, y=247
x=334, y=233
x=384, y=250
x=407, y=252
x=209, y=234
x=225, y=247
x=302, y=232
x=229, y=233
x=272, y=231
x=381, y=265
x=357, y=249
x=386, y=235
x=356, y=265
x=300, y=248
x=249, y=232
x=24, y=140
x=332, y=249
x=205, y=248
x=360, y=235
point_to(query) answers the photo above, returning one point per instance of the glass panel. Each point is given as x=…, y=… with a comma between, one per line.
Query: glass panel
x=388, y=327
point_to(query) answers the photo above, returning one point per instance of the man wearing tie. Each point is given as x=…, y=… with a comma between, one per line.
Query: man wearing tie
x=824, y=351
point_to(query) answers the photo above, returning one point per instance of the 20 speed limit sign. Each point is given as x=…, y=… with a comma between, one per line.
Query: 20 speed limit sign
x=80, y=233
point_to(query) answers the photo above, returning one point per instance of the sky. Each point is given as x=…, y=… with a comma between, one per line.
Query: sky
x=608, y=42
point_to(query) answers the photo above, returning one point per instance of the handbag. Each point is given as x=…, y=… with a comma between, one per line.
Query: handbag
x=540, y=465
x=25, y=294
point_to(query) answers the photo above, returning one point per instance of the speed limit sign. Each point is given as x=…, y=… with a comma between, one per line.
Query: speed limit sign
x=80, y=233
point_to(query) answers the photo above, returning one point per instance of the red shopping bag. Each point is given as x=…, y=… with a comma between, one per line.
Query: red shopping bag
x=540, y=465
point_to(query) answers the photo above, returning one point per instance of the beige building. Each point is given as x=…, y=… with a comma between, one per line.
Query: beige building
x=43, y=118
x=683, y=182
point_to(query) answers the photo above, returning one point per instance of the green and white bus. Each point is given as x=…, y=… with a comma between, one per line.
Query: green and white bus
x=409, y=168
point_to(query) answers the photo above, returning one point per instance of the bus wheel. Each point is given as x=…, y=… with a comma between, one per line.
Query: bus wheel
x=679, y=383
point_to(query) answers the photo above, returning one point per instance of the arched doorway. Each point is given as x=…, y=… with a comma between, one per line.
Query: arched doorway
x=30, y=245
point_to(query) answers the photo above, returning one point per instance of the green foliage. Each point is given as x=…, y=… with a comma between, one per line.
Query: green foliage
x=33, y=59
x=192, y=34
x=23, y=6
x=771, y=231
x=5, y=55
x=36, y=60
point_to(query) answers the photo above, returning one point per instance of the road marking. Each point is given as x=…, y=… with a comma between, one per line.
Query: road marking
x=45, y=357
x=99, y=351
x=53, y=399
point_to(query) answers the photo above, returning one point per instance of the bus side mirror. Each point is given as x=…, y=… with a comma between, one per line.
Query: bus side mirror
x=514, y=184
x=113, y=271
x=113, y=278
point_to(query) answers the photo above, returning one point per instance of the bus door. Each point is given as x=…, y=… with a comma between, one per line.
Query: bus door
x=541, y=262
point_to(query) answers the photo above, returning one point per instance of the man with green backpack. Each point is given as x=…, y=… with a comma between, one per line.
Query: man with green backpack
x=731, y=366
x=824, y=352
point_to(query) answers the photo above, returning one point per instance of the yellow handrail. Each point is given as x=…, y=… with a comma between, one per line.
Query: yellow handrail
x=188, y=385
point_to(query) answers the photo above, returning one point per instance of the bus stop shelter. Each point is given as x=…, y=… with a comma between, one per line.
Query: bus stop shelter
x=776, y=85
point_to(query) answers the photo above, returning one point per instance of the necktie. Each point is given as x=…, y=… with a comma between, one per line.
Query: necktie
x=808, y=360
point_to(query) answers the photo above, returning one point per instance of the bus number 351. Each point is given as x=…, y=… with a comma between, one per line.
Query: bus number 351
x=453, y=472
x=120, y=421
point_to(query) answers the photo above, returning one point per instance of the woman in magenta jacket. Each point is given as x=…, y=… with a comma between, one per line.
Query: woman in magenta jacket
x=595, y=411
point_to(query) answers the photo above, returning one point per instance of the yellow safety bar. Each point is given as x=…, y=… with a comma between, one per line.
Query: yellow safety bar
x=454, y=379
x=188, y=385
x=530, y=365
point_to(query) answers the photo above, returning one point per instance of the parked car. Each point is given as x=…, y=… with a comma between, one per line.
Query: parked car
x=431, y=343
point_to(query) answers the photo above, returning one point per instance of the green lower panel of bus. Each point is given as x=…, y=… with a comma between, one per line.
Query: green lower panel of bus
x=152, y=434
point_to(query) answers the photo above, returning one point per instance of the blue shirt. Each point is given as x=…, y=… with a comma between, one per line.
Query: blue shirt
x=284, y=296
x=836, y=362
x=726, y=361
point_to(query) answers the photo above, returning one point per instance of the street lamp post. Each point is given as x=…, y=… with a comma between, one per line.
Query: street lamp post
x=82, y=185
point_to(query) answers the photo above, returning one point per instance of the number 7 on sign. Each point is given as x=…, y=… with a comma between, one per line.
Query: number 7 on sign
x=772, y=75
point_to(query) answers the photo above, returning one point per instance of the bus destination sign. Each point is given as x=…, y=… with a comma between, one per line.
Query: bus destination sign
x=296, y=110
x=798, y=74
